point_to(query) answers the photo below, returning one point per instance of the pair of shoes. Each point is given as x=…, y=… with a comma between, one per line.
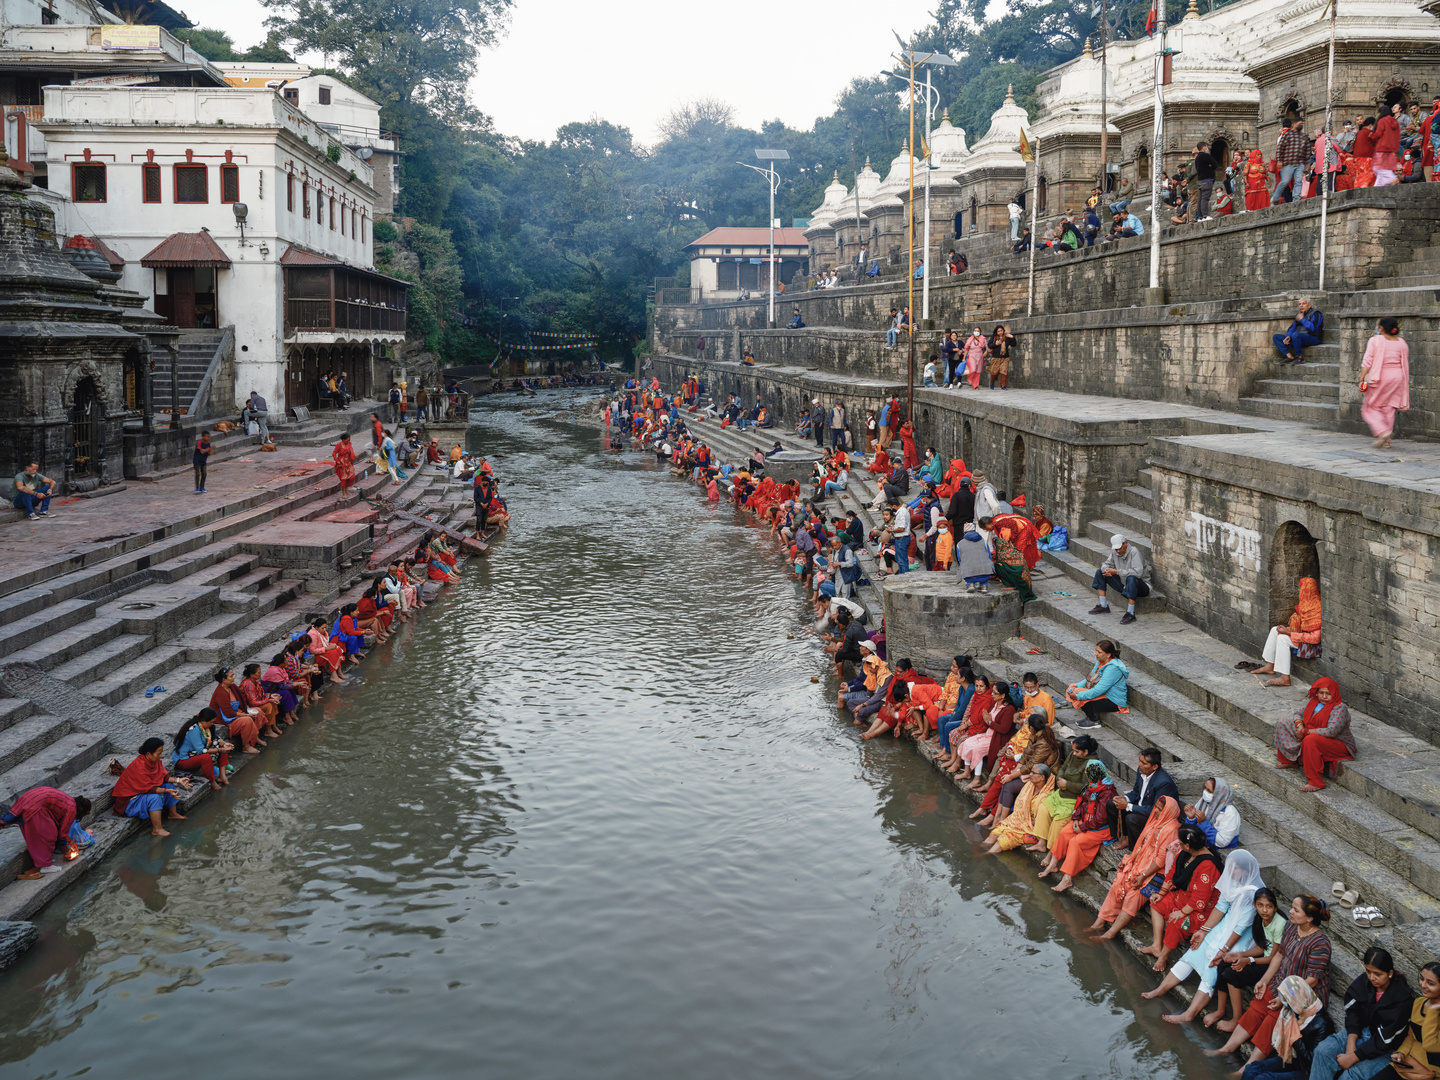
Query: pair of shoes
x=1087, y=724
x=1127, y=618
x=1099, y=609
x=201, y=490
x=1363, y=916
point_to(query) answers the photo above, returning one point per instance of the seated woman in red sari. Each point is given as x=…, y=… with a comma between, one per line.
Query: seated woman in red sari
x=145, y=789
x=277, y=680
x=1043, y=525
x=349, y=633
x=44, y=815
x=916, y=703
x=1317, y=736
x=953, y=476
x=1142, y=868
x=1186, y=897
x=374, y=614
x=1079, y=841
x=973, y=724
x=242, y=721
x=266, y=706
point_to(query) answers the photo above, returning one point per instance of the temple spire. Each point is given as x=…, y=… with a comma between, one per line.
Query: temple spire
x=1010, y=94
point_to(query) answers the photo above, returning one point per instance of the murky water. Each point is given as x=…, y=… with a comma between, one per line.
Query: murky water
x=590, y=818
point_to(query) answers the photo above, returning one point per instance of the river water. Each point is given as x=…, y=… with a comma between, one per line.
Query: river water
x=589, y=818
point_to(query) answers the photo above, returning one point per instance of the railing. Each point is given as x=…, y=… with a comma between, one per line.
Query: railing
x=316, y=315
x=677, y=296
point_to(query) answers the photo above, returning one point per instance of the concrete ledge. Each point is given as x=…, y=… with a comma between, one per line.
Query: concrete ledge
x=930, y=618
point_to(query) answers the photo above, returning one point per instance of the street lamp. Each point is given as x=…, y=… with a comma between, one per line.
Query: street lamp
x=910, y=61
x=932, y=102
x=771, y=156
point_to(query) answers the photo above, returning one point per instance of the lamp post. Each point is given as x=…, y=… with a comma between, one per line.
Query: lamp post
x=1326, y=149
x=1157, y=157
x=910, y=60
x=773, y=181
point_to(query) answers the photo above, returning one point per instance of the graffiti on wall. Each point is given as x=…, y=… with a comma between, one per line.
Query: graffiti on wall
x=1220, y=538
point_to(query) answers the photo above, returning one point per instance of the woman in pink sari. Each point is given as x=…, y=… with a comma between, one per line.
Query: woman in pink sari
x=975, y=348
x=1385, y=380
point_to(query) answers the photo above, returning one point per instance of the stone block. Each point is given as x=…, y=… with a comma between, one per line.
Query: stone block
x=930, y=618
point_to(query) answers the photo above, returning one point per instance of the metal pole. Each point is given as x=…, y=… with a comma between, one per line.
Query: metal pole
x=1324, y=162
x=772, y=245
x=1157, y=157
x=1104, y=103
x=925, y=297
x=910, y=235
x=1034, y=222
x=174, y=387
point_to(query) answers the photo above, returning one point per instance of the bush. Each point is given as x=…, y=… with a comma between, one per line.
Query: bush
x=384, y=231
x=332, y=151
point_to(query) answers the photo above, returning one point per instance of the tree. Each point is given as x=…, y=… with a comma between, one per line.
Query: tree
x=702, y=118
x=211, y=44
x=402, y=52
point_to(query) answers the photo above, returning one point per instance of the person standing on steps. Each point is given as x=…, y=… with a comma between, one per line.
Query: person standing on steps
x=974, y=350
x=999, y=349
x=1124, y=571
x=201, y=460
x=394, y=403
x=260, y=413
x=1384, y=380
x=837, y=426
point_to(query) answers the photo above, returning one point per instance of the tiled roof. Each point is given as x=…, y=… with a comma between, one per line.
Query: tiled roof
x=187, y=249
x=747, y=237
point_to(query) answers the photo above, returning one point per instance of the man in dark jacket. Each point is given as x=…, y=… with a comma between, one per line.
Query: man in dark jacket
x=1129, y=812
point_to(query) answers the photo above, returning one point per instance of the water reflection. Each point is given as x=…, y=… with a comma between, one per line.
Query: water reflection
x=593, y=821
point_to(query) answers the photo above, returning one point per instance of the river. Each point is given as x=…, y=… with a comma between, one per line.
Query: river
x=588, y=818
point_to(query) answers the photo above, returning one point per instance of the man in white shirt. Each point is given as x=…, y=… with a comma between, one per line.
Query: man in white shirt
x=901, y=532
x=1015, y=210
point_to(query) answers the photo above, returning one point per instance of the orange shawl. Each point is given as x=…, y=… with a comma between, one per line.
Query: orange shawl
x=1306, y=619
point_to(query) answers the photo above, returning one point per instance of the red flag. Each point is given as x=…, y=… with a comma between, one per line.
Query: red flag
x=1150, y=20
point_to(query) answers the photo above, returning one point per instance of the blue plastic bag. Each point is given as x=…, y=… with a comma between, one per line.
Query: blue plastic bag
x=82, y=836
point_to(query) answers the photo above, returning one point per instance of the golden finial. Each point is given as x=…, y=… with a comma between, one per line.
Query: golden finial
x=1089, y=55
x=1193, y=12
x=945, y=116
x=1010, y=94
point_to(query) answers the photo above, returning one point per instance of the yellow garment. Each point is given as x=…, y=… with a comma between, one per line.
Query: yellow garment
x=876, y=672
x=456, y=454
x=944, y=551
x=952, y=693
x=1044, y=701
x=1425, y=1049
x=1012, y=831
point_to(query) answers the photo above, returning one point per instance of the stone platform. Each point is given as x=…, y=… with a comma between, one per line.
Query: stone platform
x=930, y=618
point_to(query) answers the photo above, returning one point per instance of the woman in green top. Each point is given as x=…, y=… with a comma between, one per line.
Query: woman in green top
x=1242, y=970
x=1053, y=813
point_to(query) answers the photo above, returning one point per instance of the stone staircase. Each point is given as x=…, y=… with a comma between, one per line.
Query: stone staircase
x=1375, y=827
x=195, y=352
x=1308, y=392
x=1421, y=270
x=80, y=647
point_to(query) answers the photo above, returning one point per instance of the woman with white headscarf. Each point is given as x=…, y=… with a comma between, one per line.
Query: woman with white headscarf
x=1216, y=815
x=1228, y=927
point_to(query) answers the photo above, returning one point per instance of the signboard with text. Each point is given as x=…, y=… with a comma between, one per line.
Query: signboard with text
x=130, y=38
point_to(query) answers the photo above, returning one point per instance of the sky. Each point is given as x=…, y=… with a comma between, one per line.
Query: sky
x=630, y=64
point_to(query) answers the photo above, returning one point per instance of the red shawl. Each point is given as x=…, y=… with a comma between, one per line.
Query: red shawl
x=140, y=777
x=226, y=703
x=1020, y=531
x=978, y=707
x=952, y=480
x=1316, y=714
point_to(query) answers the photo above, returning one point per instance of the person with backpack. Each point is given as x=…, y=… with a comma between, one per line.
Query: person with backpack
x=395, y=403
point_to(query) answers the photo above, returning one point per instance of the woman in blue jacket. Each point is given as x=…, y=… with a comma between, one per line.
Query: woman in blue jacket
x=1104, y=691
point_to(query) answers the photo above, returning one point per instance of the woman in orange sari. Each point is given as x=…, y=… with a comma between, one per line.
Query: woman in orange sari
x=1301, y=634
x=343, y=457
x=1257, y=195
x=1138, y=869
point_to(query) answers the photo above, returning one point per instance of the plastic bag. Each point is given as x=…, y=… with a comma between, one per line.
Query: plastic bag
x=80, y=835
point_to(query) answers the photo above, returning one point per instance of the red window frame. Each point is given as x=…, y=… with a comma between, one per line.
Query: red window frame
x=290, y=193
x=332, y=214
x=230, y=174
x=149, y=173
x=195, y=167
x=305, y=196
x=75, y=168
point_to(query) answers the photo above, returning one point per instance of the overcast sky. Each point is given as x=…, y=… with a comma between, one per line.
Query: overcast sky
x=630, y=63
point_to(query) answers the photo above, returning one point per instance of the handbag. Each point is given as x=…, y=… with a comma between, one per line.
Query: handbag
x=1152, y=888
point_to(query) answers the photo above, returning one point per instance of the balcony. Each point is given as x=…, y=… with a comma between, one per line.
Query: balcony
x=327, y=301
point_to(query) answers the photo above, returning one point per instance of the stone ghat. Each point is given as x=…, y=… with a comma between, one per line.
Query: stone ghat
x=1370, y=828
x=92, y=628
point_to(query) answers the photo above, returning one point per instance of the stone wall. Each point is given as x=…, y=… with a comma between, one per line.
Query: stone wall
x=930, y=618
x=1230, y=529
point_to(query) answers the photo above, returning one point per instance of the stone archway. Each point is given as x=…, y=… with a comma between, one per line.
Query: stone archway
x=1396, y=91
x=967, y=445
x=1017, y=467
x=1293, y=555
x=1292, y=106
x=86, y=439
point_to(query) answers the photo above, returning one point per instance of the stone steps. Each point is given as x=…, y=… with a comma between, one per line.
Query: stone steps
x=142, y=673
x=1298, y=390
x=13, y=710
x=1333, y=835
x=1163, y=651
x=1304, y=412
x=100, y=662
x=28, y=737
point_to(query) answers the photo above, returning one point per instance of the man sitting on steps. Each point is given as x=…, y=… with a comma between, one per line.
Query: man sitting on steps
x=1124, y=571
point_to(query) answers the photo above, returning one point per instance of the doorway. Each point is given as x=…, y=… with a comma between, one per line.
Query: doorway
x=85, y=430
x=1220, y=151
x=1017, y=467
x=967, y=445
x=1293, y=555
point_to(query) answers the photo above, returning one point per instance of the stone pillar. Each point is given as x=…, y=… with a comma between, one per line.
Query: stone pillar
x=930, y=618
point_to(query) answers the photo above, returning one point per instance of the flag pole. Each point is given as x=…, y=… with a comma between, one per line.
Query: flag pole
x=1034, y=211
x=1325, y=144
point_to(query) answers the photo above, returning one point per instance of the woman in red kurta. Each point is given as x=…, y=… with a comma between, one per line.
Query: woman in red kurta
x=343, y=458
x=234, y=714
x=267, y=706
x=1079, y=841
x=44, y=815
x=907, y=437
x=1187, y=897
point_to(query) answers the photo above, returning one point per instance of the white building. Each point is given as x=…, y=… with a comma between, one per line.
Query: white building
x=726, y=260
x=164, y=176
x=348, y=115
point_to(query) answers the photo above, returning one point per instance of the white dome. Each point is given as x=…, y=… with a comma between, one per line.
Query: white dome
x=899, y=178
x=999, y=147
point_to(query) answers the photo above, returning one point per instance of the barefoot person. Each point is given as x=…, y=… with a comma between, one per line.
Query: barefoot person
x=1138, y=869
x=1317, y=736
x=1227, y=928
x=1303, y=629
x=1186, y=896
x=1242, y=970
x=1079, y=841
x=44, y=815
x=145, y=789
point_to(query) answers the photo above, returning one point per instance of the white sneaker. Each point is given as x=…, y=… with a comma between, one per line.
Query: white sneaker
x=51, y=869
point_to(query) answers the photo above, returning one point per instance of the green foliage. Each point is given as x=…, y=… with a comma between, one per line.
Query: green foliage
x=384, y=231
x=332, y=151
x=211, y=44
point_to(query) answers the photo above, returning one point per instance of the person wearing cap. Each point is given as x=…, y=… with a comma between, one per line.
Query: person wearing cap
x=1124, y=571
x=817, y=425
x=846, y=647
